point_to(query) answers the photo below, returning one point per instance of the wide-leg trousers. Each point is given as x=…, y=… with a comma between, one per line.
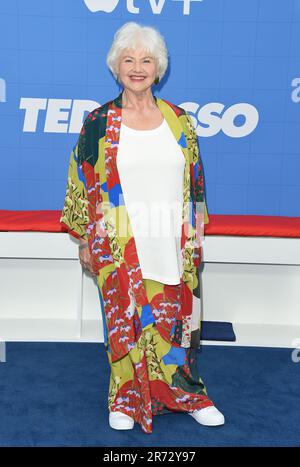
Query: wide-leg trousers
x=156, y=377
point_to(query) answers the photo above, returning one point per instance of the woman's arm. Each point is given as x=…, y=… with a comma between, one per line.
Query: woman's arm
x=75, y=210
x=197, y=178
x=82, y=243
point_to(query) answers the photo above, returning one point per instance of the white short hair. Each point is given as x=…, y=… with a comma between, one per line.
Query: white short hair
x=132, y=35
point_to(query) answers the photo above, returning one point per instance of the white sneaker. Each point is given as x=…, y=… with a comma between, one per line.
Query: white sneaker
x=120, y=421
x=209, y=416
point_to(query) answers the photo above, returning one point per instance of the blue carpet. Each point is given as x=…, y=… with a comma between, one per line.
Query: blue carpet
x=55, y=394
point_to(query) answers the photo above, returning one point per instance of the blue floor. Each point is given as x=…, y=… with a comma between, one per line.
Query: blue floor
x=55, y=394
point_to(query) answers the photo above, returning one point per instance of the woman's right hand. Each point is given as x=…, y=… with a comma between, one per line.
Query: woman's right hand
x=85, y=259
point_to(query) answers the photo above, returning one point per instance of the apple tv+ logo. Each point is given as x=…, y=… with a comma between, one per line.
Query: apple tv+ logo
x=101, y=5
x=156, y=5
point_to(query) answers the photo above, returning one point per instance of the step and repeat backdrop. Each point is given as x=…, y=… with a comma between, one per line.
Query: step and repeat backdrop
x=234, y=66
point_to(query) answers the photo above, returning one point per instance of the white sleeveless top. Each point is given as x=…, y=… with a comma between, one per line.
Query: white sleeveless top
x=151, y=171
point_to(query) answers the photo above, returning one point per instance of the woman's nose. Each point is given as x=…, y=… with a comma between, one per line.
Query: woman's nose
x=137, y=67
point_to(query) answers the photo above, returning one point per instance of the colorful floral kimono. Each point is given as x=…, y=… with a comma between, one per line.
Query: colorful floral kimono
x=94, y=209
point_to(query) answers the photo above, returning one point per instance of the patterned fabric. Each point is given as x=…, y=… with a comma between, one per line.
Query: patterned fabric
x=94, y=209
x=156, y=377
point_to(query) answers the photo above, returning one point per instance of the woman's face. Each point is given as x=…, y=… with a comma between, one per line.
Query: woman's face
x=137, y=69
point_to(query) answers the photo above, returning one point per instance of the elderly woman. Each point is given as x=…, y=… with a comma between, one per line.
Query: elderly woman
x=141, y=150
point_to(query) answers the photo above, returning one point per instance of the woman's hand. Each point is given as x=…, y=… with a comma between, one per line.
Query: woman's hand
x=85, y=257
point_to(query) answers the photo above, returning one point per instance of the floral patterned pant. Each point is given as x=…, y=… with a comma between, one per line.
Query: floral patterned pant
x=156, y=377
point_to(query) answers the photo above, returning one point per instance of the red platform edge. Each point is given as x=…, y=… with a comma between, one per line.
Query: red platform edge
x=219, y=224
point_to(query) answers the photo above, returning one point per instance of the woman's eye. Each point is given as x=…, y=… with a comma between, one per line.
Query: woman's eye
x=129, y=60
